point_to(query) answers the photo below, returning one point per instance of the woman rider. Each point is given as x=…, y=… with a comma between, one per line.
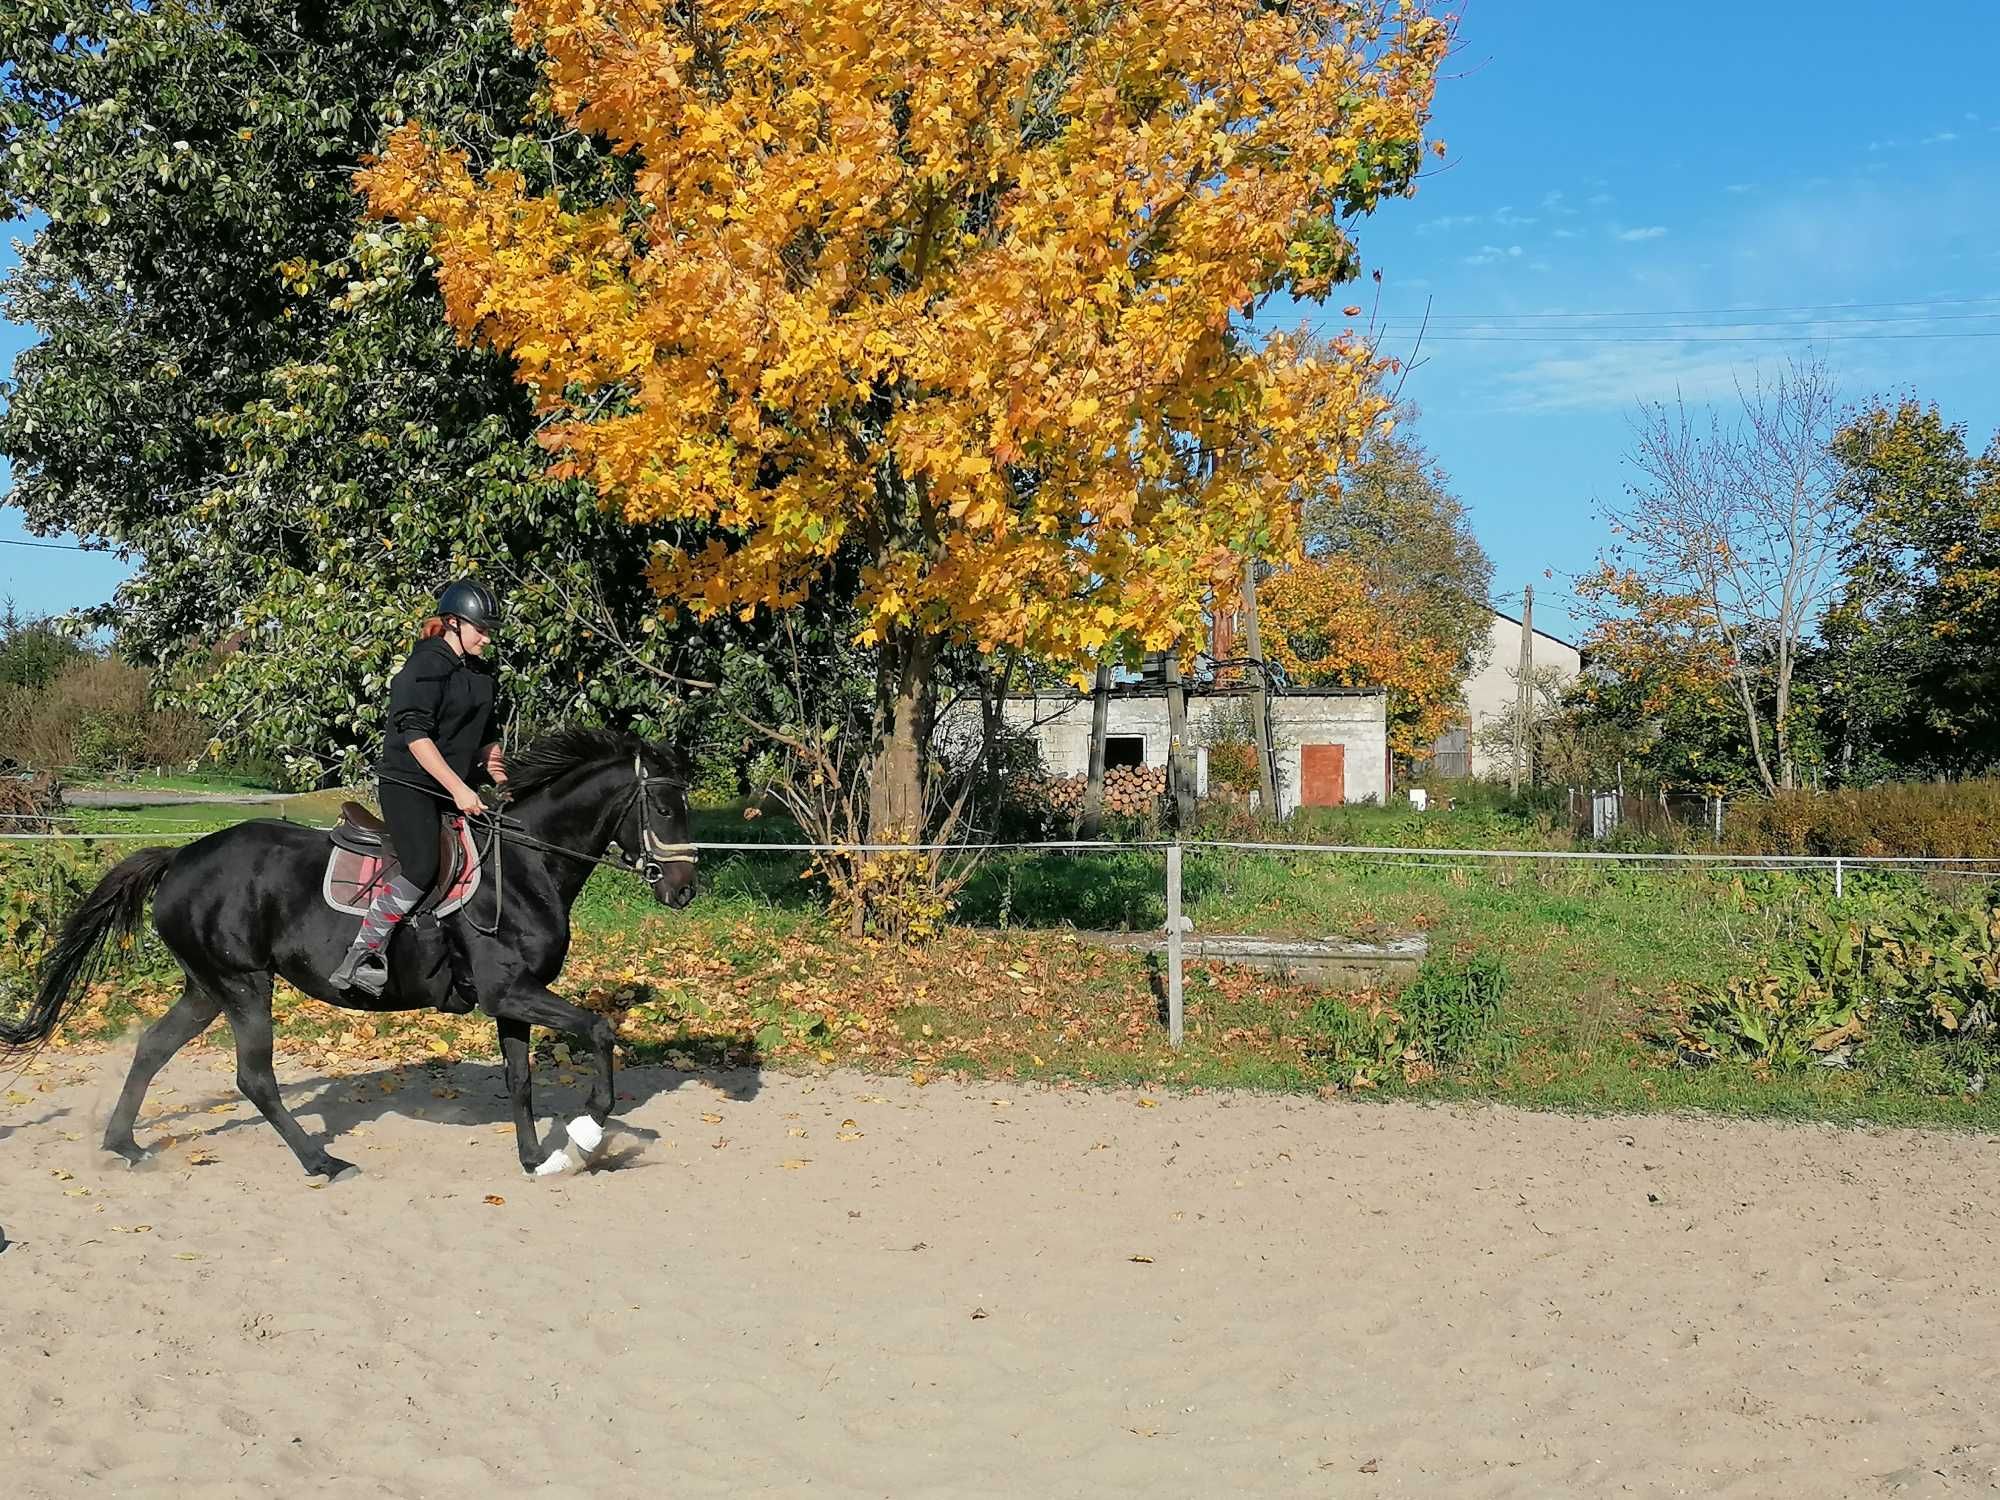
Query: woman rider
x=443, y=723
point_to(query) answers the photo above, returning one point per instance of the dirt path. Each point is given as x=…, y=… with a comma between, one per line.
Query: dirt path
x=95, y=796
x=988, y=1291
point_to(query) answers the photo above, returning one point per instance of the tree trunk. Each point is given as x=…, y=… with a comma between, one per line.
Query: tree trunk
x=1100, y=723
x=1260, y=694
x=902, y=712
x=1180, y=761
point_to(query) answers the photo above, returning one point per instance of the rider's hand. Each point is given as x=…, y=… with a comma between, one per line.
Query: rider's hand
x=469, y=802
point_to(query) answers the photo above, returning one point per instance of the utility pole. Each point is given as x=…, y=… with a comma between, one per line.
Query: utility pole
x=1524, y=689
x=1100, y=722
x=1260, y=694
x=1180, y=762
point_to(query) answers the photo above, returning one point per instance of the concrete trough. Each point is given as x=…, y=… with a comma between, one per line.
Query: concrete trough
x=1328, y=963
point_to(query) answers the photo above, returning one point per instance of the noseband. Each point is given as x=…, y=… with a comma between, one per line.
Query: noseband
x=654, y=854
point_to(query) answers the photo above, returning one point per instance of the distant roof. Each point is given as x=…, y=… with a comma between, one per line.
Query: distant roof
x=1545, y=635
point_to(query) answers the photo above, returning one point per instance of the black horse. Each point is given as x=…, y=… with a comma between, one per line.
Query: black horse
x=245, y=903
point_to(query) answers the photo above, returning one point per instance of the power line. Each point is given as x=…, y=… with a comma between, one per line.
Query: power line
x=8, y=541
x=1717, y=312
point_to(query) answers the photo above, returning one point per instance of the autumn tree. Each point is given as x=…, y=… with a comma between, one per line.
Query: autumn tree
x=1727, y=551
x=1394, y=514
x=956, y=288
x=1324, y=625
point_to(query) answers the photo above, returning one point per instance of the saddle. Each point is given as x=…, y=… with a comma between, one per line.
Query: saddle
x=363, y=860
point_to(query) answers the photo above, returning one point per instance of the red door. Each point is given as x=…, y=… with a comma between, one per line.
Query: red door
x=1322, y=775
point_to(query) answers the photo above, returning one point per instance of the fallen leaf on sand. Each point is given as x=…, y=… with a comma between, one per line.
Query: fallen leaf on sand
x=186, y=1255
x=848, y=1135
x=1149, y=1104
x=919, y=1077
x=60, y=1175
x=76, y=1192
x=1371, y=1466
x=795, y=1163
x=980, y=1312
x=201, y=1158
x=496, y=1200
x=718, y=1143
x=1143, y=1260
x=711, y=1119
x=132, y=1228
x=226, y=1107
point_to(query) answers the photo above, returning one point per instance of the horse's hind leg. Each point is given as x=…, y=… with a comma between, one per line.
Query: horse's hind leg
x=189, y=1018
x=247, y=1003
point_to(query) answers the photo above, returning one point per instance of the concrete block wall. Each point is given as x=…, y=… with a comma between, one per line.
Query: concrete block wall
x=1354, y=720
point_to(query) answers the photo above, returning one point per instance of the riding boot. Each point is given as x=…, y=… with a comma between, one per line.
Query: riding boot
x=366, y=966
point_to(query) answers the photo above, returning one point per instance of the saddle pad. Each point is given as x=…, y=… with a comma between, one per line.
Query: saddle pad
x=353, y=878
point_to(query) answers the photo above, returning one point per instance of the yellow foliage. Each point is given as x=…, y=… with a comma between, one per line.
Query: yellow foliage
x=952, y=282
x=1321, y=624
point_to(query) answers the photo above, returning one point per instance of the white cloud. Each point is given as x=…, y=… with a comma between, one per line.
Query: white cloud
x=1599, y=200
x=1449, y=221
x=1649, y=232
x=1488, y=254
x=1942, y=138
x=1506, y=218
x=1618, y=376
x=1567, y=234
x=1556, y=201
x=1741, y=187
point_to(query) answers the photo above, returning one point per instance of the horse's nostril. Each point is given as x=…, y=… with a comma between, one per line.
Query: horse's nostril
x=685, y=895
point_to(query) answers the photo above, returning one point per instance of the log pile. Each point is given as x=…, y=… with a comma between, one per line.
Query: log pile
x=1129, y=792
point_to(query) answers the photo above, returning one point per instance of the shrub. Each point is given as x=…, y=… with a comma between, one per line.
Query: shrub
x=1452, y=1004
x=95, y=717
x=1438, y=1020
x=1912, y=972
x=1938, y=820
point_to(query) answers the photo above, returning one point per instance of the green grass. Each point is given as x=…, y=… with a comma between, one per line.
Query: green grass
x=177, y=781
x=1599, y=958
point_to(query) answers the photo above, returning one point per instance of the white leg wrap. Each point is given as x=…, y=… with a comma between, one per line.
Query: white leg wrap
x=558, y=1162
x=586, y=1135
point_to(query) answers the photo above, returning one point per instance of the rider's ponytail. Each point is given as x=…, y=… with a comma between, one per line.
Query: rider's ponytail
x=431, y=629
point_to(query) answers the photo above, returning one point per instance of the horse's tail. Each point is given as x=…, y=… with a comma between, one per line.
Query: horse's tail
x=114, y=907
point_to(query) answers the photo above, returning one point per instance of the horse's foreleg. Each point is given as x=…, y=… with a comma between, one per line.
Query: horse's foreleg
x=188, y=1018
x=248, y=1006
x=521, y=1091
x=535, y=1006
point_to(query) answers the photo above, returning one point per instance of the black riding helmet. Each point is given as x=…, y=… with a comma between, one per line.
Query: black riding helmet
x=471, y=602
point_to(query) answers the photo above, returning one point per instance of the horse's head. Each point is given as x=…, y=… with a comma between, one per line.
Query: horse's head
x=653, y=830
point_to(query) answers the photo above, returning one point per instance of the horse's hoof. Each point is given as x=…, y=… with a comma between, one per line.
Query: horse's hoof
x=333, y=1169
x=133, y=1155
x=586, y=1135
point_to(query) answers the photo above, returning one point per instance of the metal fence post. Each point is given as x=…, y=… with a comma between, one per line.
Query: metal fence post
x=1175, y=1013
x=1839, y=884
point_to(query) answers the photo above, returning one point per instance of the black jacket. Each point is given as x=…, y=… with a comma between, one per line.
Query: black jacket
x=441, y=696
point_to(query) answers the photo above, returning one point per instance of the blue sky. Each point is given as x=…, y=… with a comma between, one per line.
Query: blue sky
x=1642, y=161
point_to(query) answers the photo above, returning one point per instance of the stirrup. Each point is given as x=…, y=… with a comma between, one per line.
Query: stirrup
x=362, y=969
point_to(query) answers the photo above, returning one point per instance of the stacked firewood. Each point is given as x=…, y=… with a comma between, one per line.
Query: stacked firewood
x=1129, y=792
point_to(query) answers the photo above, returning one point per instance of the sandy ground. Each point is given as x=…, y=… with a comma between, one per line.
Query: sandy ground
x=987, y=1291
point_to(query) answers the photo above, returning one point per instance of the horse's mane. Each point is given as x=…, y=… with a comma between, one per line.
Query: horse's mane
x=564, y=750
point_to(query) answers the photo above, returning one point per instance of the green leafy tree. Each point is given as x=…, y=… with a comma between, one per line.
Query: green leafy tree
x=256, y=391
x=1910, y=678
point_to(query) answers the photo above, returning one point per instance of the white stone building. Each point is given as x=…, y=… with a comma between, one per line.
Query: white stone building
x=1332, y=743
x=1491, y=693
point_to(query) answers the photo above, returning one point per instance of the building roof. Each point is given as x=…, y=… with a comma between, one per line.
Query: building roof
x=1545, y=635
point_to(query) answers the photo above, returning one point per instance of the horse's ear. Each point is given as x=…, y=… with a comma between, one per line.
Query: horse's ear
x=676, y=759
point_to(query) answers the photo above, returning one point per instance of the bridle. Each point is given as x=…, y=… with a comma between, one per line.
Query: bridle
x=650, y=864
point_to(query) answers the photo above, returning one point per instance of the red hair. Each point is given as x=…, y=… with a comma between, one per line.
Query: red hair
x=431, y=629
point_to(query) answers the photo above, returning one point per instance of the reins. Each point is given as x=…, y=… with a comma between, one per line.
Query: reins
x=650, y=865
